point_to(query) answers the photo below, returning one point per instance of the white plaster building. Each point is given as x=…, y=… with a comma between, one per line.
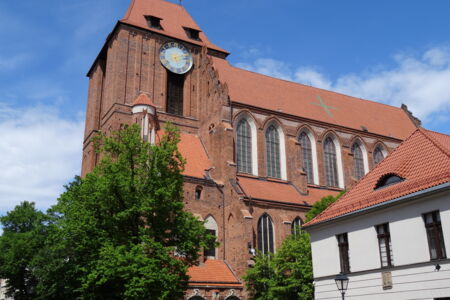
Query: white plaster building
x=390, y=233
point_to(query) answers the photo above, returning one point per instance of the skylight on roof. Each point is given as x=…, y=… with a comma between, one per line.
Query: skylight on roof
x=387, y=180
x=193, y=34
x=154, y=22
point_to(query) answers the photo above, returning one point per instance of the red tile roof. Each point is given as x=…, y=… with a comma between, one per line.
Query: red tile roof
x=193, y=151
x=143, y=99
x=423, y=160
x=304, y=101
x=213, y=273
x=279, y=191
x=173, y=18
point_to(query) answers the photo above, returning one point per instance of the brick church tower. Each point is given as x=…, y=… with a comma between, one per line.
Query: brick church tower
x=259, y=150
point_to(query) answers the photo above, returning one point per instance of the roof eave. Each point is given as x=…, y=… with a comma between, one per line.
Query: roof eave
x=426, y=192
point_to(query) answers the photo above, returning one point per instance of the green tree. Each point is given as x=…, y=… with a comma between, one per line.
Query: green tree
x=321, y=205
x=288, y=273
x=121, y=232
x=23, y=233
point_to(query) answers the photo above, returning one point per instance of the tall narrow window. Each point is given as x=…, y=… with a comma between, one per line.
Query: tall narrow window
x=378, y=155
x=331, y=172
x=273, y=152
x=244, y=147
x=175, y=85
x=296, y=226
x=305, y=144
x=343, y=252
x=434, y=233
x=384, y=241
x=358, y=161
x=210, y=249
x=211, y=228
x=265, y=235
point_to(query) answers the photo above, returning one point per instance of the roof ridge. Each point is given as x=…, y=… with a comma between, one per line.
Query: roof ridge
x=314, y=87
x=425, y=132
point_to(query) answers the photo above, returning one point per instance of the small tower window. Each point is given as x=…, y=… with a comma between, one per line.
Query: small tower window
x=154, y=22
x=175, y=87
x=198, y=193
x=193, y=34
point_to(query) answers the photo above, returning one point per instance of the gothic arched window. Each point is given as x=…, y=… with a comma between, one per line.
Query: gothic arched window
x=358, y=161
x=296, y=226
x=244, y=146
x=273, y=152
x=331, y=171
x=265, y=235
x=212, y=229
x=378, y=155
x=305, y=144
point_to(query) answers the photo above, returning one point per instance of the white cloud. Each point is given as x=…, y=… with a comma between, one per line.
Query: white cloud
x=40, y=151
x=421, y=82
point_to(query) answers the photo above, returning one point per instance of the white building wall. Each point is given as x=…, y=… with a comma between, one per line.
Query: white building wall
x=412, y=270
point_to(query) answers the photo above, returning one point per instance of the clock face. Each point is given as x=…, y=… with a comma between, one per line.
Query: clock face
x=176, y=57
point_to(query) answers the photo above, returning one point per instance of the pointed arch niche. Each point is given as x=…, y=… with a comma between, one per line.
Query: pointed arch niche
x=305, y=137
x=333, y=161
x=246, y=144
x=379, y=153
x=275, y=149
x=212, y=228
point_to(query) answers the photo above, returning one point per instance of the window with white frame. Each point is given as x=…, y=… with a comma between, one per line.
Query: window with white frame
x=211, y=228
x=343, y=253
x=244, y=147
x=265, y=234
x=273, y=152
x=330, y=160
x=435, y=236
x=307, y=158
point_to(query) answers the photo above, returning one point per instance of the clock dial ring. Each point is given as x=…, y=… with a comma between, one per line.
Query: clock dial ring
x=176, y=58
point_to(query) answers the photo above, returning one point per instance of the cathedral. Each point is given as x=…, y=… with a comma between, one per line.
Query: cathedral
x=260, y=151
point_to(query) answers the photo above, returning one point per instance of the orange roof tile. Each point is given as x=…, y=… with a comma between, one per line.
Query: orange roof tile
x=423, y=160
x=143, y=99
x=279, y=191
x=193, y=151
x=212, y=272
x=304, y=101
x=173, y=18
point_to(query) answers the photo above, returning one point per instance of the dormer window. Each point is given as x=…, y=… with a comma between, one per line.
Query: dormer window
x=193, y=34
x=387, y=180
x=154, y=22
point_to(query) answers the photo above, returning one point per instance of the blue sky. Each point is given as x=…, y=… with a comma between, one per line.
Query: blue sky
x=389, y=51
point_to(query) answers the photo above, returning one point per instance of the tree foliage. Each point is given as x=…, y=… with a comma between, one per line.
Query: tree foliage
x=121, y=232
x=23, y=233
x=288, y=273
x=321, y=205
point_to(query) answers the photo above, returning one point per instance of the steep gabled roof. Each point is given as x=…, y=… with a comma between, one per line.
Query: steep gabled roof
x=313, y=103
x=173, y=20
x=422, y=161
